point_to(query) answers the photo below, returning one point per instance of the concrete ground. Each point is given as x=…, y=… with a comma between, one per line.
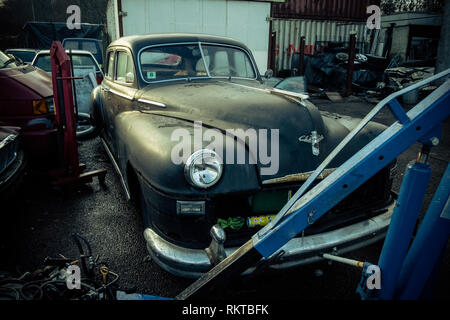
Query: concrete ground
x=38, y=223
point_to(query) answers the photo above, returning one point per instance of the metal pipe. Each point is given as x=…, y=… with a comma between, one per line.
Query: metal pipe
x=351, y=63
x=301, y=67
x=428, y=245
x=402, y=226
x=350, y=262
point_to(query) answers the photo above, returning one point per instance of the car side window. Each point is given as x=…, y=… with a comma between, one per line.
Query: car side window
x=84, y=60
x=43, y=62
x=228, y=61
x=124, y=68
x=110, y=67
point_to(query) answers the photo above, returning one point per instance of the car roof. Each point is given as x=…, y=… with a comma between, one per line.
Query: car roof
x=42, y=52
x=135, y=43
x=82, y=39
x=22, y=49
x=80, y=52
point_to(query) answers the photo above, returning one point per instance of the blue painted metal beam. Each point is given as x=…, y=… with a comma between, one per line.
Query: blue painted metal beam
x=428, y=245
x=395, y=108
x=305, y=208
x=402, y=226
x=398, y=111
x=355, y=171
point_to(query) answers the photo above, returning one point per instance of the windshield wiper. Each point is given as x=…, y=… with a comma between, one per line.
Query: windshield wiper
x=8, y=62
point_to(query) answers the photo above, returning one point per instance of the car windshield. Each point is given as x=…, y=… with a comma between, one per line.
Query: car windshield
x=187, y=61
x=78, y=60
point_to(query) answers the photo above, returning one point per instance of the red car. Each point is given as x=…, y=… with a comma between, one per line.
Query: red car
x=26, y=101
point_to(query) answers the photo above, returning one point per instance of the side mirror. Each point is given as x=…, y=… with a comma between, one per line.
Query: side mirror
x=268, y=74
x=129, y=78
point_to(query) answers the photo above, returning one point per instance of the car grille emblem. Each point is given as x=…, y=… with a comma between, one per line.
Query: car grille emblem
x=314, y=140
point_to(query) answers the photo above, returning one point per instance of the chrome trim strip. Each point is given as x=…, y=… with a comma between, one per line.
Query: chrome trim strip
x=159, y=104
x=191, y=263
x=13, y=168
x=8, y=139
x=120, y=94
x=9, y=142
x=290, y=93
x=273, y=91
x=116, y=167
x=248, y=87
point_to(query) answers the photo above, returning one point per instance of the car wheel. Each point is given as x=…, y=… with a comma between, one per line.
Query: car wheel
x=85, y=129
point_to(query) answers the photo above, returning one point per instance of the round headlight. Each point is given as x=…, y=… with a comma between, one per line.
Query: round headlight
x=203, y=168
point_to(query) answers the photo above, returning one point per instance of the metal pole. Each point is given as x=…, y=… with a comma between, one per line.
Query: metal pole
x=73, y=85
x=351, y=63
x=402, y=226
x=429, y=243
x=350, y=262
x=273, y=53
x=301, y=67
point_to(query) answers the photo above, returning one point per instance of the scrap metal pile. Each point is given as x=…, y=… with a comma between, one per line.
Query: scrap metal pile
x=57, y=281
x=373, y=77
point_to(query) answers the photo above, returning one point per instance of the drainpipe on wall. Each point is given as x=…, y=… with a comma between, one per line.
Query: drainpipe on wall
x=388, y=45
x=301, y=67
x=120, y=14
x=351, y=63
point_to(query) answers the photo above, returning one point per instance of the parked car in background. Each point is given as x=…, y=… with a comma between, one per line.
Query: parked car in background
x=26, y=101
x=80, y=59
x=12, y=161
x=156, y=84
x=94, y=46
x=83, y=63
x=26, y=55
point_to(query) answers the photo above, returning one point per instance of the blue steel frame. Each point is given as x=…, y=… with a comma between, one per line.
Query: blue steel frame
x=303, y=210
x=422, y=123
x=428, y=246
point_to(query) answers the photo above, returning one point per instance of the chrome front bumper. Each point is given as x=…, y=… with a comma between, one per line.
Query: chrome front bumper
x=192, y=263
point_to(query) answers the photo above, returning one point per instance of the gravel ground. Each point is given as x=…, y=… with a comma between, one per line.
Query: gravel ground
x=38, y=223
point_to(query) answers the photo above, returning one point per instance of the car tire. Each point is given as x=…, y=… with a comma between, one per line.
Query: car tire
x=85, y=128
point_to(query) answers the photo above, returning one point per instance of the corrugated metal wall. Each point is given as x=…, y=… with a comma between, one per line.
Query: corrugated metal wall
x=288, y=33
x=338, y=10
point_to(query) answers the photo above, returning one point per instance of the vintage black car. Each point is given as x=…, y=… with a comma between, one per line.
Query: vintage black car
x=160, y=91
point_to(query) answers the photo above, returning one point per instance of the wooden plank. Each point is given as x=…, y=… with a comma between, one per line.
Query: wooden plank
x=219, y=276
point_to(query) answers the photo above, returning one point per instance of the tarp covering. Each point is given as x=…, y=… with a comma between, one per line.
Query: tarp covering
x=324, y=71
x=40, y=35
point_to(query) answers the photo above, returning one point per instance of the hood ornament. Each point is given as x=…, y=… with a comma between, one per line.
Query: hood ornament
x=314, y=140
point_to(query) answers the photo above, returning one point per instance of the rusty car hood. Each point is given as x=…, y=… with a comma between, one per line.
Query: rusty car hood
x=226, y=105
x=34, y=78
